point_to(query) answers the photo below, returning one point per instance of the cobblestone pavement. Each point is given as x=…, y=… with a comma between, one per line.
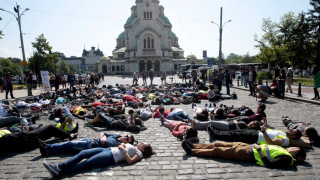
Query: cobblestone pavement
x=170, y=162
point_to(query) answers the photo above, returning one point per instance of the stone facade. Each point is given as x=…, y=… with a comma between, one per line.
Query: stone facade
x=147, y=42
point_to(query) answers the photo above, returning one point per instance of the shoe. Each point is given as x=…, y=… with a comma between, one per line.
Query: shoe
x=73, y=136
x=87, y=124
x=190, y=144
x=314, y=98
x=12, y=97
x=42, y=148
x=75, y=129
x=186, y=148
x=143, y=128
x=52, y=168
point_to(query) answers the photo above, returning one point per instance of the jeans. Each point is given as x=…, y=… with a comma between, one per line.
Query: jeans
x=107, y=120
x=251, y=87
x=228, y=88
x=29, y=87
x=11, y=120
x=96, y=158
x=69, y=146
x=220, y=125
x=151, y=80
x=281, y=89
x=180, y=116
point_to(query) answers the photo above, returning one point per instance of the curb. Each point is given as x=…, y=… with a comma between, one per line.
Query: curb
x=287, y=97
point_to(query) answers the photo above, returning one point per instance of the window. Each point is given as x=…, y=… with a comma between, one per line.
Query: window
x=148, y=42
x=147, y=15
x=134, y=54
x=113, y=68
x=118, y=68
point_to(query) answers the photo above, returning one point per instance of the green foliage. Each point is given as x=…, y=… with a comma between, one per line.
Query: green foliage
x=64, y=67
x=10, y=65
x=290, y=42
x=43, y=59
x=235, y=58
x=314, y=20
x=303, y=81
x=72, y=68
x=264, y=75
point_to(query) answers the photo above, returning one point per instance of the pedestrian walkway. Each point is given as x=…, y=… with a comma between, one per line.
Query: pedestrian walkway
x=306, y=93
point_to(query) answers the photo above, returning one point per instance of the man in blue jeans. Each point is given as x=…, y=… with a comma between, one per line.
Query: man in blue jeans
x=179, y=115
x=104, y=141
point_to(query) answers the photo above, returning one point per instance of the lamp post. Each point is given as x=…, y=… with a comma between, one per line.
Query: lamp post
x=220, y=36
x=18, y=18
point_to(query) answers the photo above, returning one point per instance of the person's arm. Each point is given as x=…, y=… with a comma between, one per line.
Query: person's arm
x=127, y=157
x=103, y=138
x=237, y=124
x=277, y=141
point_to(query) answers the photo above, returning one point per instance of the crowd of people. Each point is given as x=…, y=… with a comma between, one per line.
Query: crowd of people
x=127, y=107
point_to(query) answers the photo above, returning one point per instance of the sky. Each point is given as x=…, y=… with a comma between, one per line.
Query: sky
x=72, y=25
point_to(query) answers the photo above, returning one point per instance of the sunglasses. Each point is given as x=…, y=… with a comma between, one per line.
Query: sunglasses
x=127, y=138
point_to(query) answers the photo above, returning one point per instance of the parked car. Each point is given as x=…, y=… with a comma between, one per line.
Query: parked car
x=306, y=73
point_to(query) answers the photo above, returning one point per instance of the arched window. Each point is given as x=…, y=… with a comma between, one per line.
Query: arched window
x=145, y=15
x=113, y=68
x=145, y=43
x=118, y=68
x=152, y=43
x=148, y=42
x=150, y=15
x=122, y=68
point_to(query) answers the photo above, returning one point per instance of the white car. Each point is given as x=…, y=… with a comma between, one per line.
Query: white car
x=238, y=75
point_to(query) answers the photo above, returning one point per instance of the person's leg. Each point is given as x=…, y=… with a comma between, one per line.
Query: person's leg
x=96, y=158
x=185, y=115
x=236, y=150
x=47, y=132
x=69, y=146
x=11, y=91
x=228, y=88
x=219, y=125
x=10, y=120
x=107, y=120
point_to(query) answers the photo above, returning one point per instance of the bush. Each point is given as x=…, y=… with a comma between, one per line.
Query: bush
x=264, y=75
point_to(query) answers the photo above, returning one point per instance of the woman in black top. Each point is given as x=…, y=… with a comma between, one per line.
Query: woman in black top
x=282, y=80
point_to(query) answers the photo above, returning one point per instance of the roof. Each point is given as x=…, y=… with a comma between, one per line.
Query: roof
x=166, y=20
x=130, y=19
x=173, y=35
x=176, y=49
x=122, y=35
x=120, y=50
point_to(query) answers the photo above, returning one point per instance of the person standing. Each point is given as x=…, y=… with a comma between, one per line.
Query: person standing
x=163, y=77
x=151, y=75
x=34, y=80
x=316, y=80
x=1, y=83
x=29, y=83
x=227, y=80
x=289, y=80
x=57, y=82
x=184, y=76
x=282, y=80
x=251, y=80
x=144, y=77
x=204, y=76
x=8, y=82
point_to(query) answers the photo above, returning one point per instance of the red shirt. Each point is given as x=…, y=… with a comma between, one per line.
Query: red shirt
x=156, y=114
x=130, y=98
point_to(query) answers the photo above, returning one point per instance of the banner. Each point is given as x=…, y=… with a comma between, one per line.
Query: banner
x=45, y=80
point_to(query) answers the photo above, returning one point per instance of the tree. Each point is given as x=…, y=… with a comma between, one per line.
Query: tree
x=315, y=26
x=64, y=68
x=72, y=68
x=6, y=65
x=43, y=59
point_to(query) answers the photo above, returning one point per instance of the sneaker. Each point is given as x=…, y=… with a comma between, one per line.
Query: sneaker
x=42, y=148
x=210, y=131
x=73, y=136
x=190, y=144
x=143, y=128
x=52, y=168
x=75, y=129
x=186, y=148
x=87, y=124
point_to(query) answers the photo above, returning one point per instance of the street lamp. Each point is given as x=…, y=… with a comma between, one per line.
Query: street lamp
x=18, y=18
x=220, y=39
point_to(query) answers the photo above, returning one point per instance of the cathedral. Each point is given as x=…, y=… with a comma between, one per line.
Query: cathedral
x=147, y=42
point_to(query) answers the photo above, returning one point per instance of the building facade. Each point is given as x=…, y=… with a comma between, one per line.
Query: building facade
x=147, y=42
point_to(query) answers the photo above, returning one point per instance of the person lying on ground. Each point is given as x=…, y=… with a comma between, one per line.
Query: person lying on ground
x=305, y=129
x=100, y=157
x=201, y=114
x=105, y=140
x=272, y=156
x=25, y=139
x=179, y=115
x=265, y=136
x=225, y=125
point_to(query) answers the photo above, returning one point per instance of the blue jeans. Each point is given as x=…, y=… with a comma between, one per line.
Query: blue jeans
x=107, y=120
x=228, y=87
x=96, y=158
x=180, y=116
x=69, y=146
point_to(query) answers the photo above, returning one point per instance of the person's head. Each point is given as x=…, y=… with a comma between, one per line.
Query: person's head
x=127, y=139
x=274, y=81
x=290, y=70
x=293, y=134
x=131, y=111
x=191, y=134
x=282, y=71
x=203, y=115
x=248, y=112
x=261, y=107
x=297, y=153
x=119, y=108
x=146, y=149
x=260, y=82
x=315, y=69
x=161, y=110
x=211, y=86
x=254, y=125
x=312, y=134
